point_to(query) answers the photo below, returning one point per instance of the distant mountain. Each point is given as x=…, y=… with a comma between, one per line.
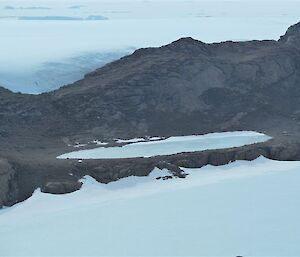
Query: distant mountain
x=186, y=87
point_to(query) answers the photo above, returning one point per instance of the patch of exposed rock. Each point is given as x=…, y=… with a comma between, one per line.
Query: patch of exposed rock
x=8, y=187
x=61, y=187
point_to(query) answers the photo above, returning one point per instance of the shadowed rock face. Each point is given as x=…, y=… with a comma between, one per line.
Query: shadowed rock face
x=186, y=87
x=292, y=36
x=8, y=189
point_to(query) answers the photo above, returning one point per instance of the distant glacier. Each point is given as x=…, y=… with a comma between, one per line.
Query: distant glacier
x=46, y=44
x=52, y=75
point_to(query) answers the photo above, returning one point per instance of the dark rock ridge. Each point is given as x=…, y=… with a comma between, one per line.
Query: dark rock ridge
x=186, y=87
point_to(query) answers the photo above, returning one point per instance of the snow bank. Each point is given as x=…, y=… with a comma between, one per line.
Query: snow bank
x=243, y=208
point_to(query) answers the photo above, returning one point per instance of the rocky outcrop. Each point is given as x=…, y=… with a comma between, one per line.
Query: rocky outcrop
x=292, y=36
x=8, y=187
x=61, y=187
x=175, y=170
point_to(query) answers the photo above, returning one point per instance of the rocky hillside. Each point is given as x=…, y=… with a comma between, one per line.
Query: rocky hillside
x=186, y=87
x=181, y=88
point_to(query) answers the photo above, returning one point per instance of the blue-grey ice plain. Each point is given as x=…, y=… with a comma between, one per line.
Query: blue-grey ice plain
x=49, y=43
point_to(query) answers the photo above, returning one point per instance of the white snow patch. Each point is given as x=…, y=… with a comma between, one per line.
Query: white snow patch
x=155, y=138
x=97, y=142
x=80, y=145
x=138, y=139
x=132, y=140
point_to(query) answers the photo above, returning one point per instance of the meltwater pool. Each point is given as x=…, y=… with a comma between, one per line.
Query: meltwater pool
x=171, y=145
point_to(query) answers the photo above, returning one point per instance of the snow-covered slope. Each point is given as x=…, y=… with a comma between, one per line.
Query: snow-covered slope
x=48, y=43
x=243, y=208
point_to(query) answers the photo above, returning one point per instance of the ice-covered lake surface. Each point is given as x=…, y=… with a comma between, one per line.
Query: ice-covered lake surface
x=243, y=208
x=48, y=43
x=171, y=145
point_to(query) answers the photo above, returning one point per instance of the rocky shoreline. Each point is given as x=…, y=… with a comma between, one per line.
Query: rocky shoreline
x=20, y=178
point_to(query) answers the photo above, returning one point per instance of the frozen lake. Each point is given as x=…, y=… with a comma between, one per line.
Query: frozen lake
x=243, y=208
x=49, y=43
x=171, y=145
